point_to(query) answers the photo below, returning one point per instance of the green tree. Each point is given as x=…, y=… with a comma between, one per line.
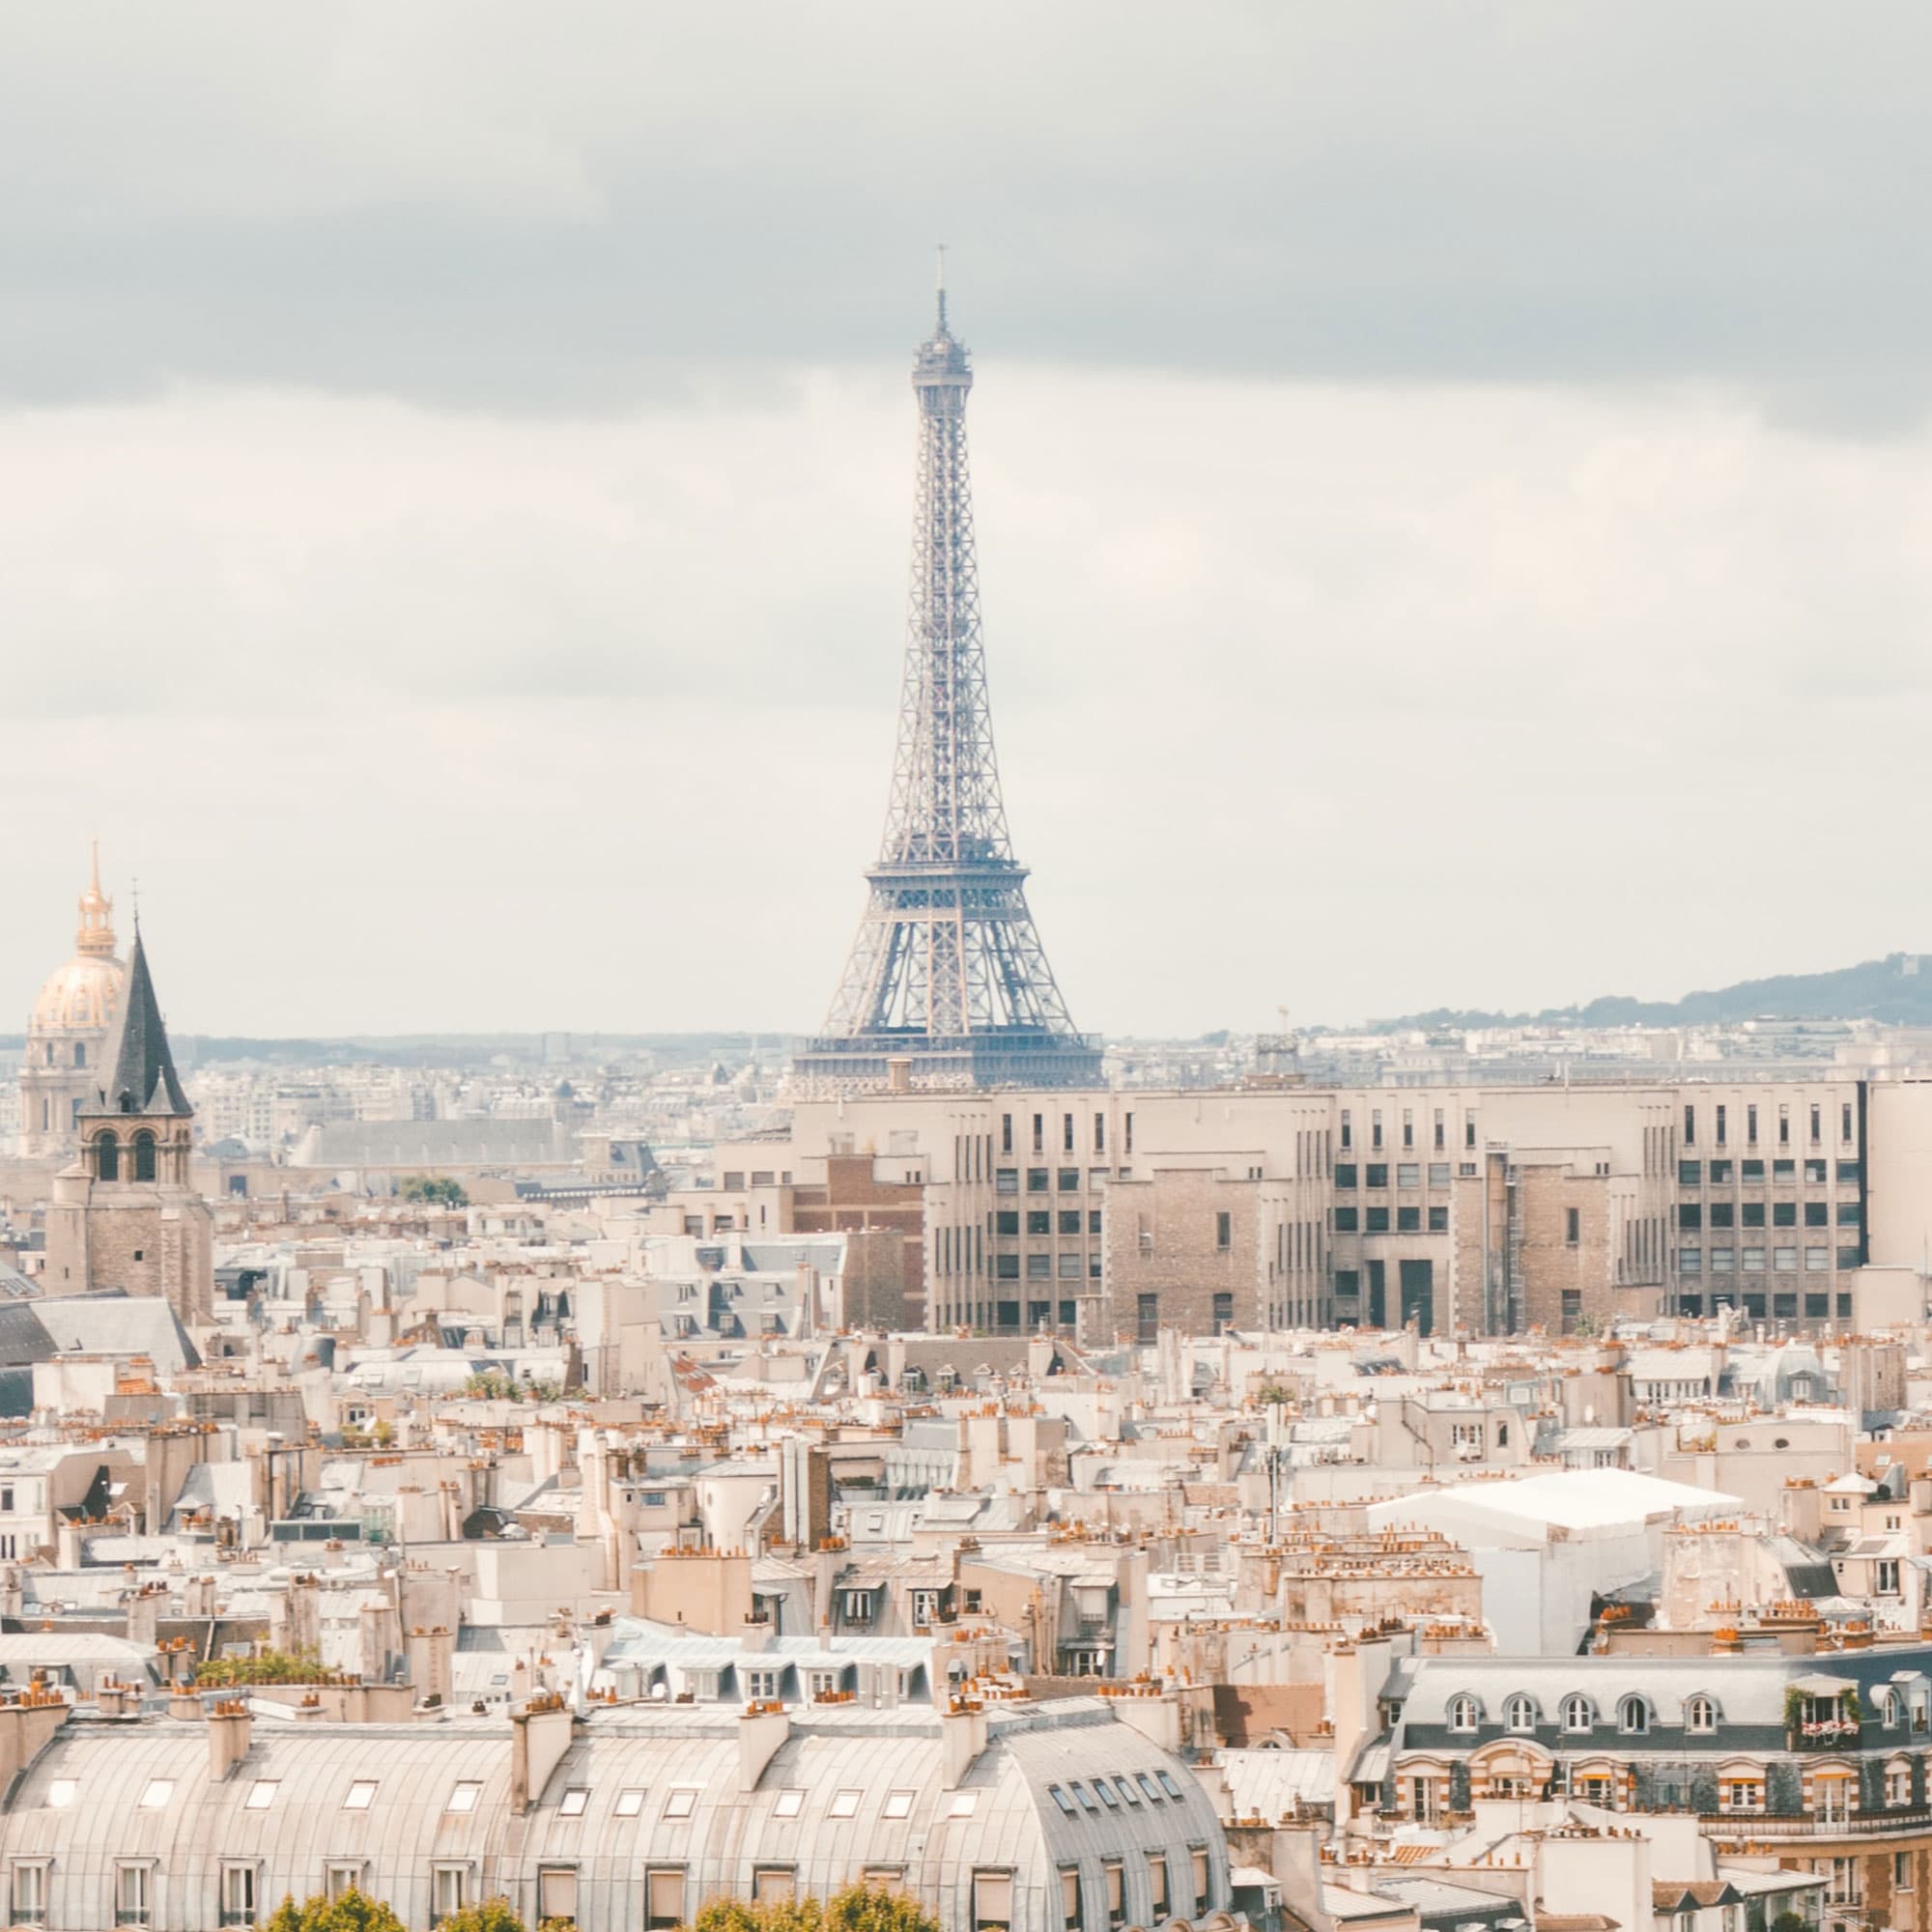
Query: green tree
x=435, y=1188
x=858, y=1907
x=265, y=1666
x=492, y=1915
x=353, y=1912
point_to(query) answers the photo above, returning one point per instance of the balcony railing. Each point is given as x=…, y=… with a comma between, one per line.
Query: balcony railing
x=1858, y=1825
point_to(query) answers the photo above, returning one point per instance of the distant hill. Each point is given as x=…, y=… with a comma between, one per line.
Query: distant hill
x=1897, y=989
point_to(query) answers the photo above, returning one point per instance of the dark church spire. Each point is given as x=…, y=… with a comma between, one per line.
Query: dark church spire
x=144, y=1078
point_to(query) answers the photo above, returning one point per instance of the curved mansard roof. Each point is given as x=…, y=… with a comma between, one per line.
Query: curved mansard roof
x=285, y=1809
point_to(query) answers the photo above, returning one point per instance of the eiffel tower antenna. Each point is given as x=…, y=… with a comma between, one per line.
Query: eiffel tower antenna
x=946, y=971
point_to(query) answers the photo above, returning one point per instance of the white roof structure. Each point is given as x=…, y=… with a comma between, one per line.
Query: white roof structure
x=1557, y=1506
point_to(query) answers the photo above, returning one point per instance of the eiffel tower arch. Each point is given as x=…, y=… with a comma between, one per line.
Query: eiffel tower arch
x=946, y=971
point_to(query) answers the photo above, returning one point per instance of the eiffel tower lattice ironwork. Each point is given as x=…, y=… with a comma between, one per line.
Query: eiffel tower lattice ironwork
x=946, y=969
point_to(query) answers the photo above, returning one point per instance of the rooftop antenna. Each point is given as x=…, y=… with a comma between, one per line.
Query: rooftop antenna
x=942, y=288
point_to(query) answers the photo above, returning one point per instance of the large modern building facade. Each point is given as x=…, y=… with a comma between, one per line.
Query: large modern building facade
x=1480, y=1210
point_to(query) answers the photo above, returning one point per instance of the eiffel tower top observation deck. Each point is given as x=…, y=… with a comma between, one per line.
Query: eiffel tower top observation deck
x=946, y=969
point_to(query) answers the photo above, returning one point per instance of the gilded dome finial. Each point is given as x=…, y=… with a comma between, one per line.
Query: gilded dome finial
x=95, y=938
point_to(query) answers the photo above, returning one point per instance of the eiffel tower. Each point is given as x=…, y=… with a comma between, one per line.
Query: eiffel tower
x=947, y=972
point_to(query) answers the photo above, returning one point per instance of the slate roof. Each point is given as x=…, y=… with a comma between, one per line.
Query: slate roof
x=144, y=1078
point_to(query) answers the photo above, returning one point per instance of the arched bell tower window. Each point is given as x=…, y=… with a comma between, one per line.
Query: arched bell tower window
x=106, y=1157
x=144, y=1155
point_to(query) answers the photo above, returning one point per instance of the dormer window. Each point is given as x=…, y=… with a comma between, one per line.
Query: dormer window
x=1577, y=1713
x=1462, y=1713
x=1633, y=1717
x=1520, y=1713
x=1700, y=1714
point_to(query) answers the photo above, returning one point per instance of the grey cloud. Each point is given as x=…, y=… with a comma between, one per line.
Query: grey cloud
x=480, y=208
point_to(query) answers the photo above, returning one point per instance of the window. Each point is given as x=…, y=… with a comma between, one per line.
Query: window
x=1038, y=1178
x=631, y=1800
x=135, y=1894
x=1085, y=1797
x=1058, y=1793
x=1898, y=1784
x=1901, y=1868
x=1377, y=1174
x=1005, y=1180
x=1468, y=1128
x=1146, y=1785
x=1572, y=1226
x=1224, y=1311
x=106, y=1157
x=238, y=1894
x=1409, y=1220
x=260, y=1794
x=1700, y=1714
x=1439, y=1174
x=1816, y=1125
x=1407, y=1174
x=1741, y=1793
x=992, y=1901
x=29, y=1893
x=1347, y=1220
x=1577, y=1715
x=1520, y=1713
x=897, y=1805
x=1689, y=1214
x=1849, y=1214
x=343, y=1879
x=1784, y=1214
x=1070, y=1181
x=572, y=1804
x=1108, y=1798
x=1377, y=1222
x=1224, y=1230
x=1690, y=1126
x=1751, y=1172
x=1348, y=1129
x=1751, y=1124
x=1200, y=1870
x=1439, y=1220
x=789, y=1805
x=664, y=1899
x=1462, y=1713
x=1720, y=1172
x=1752, y=1213
x=361, y=1795
x=463, y=1797
x=1111, y=1873
x=158, y=1792
x=1127, y=1791
x=772, y=1884
x=844, y=1805
x=144, y=1155
x=1784, y=1260
x=1722, y=1112
x=1168, y=1786
x=1817, y=1213
x=1069, y=1897
x=1158, y=1866
x=683, y=1802
x=1375, y=1127
x=1724, y=1261
x=1689, y=1261
x=1724, y=1214
x=1345, y=1174
x=1634, y=1716
x=556, y=1895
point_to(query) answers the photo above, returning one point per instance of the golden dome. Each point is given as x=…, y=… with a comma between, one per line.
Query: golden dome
x=85, y=995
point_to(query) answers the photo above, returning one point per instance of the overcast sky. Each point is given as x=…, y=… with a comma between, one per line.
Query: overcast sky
x=1454, y=485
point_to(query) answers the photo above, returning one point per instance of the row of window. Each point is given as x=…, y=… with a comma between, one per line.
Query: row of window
x=1051, y=1180
x=1067, y=1133
x=1753, y=1260
x=1693, y=1173
x=1784, y=1213
x=1375, y=1220
x=1577, y=1713
x=1407, y=1172
x=1044, y=1221
x=1723, y=1120
x=1068, y=1267
x=1439, y=1132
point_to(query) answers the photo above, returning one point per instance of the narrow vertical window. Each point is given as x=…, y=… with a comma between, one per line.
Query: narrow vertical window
x=1690, y=1126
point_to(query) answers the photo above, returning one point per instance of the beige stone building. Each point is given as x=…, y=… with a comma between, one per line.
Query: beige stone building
x=1484, y=1209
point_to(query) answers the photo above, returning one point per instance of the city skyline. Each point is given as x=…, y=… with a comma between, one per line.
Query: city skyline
x=1412, y=609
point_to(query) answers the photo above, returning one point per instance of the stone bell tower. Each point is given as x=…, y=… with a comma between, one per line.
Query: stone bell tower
x=125, y=1215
